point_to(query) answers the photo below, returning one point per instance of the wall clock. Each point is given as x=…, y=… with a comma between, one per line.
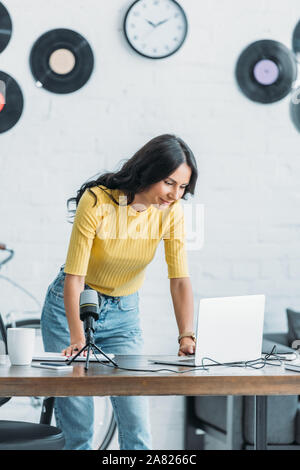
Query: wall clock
x=155, y=28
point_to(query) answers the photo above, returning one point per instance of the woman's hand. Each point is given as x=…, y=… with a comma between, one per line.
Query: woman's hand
x=74, y=347
x=187, y=346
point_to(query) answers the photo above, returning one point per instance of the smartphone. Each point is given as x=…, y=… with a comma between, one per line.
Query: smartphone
x=53, y=365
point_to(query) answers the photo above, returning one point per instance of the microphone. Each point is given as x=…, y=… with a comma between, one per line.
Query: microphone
x=89, y=311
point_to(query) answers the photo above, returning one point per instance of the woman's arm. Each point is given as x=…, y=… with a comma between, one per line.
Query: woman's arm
x=74, y=285
x=183, y=301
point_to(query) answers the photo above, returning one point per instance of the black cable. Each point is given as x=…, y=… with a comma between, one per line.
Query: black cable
x=104, y=363
x=254, y=363
x=262, y=361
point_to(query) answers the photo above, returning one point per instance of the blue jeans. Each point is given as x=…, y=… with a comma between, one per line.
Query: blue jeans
x=117, y=331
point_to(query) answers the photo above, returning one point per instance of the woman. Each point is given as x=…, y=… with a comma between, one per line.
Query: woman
x=109, y=250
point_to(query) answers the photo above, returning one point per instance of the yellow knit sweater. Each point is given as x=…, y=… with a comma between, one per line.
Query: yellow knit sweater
x=112, y=245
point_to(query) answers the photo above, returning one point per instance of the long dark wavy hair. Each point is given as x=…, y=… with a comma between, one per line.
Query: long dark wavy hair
x=156, y=160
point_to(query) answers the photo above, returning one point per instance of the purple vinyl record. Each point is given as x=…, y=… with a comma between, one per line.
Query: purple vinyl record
x=265, y=71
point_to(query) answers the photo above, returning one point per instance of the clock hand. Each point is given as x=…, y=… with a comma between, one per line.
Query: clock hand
x=162, y=22
x=152, y=24
x=149, y=32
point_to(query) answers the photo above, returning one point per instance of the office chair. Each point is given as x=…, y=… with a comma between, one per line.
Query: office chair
x=18, y=435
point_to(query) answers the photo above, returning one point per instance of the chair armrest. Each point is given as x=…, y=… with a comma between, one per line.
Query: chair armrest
x=268, y=345
x=278, y=337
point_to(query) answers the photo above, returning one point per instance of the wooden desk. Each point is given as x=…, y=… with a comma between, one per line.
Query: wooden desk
x=101, y=380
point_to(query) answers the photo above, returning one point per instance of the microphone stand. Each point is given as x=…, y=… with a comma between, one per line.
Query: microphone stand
x=88, y=314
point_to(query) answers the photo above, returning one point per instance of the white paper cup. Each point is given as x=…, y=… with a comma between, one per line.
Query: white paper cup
x=20, y=344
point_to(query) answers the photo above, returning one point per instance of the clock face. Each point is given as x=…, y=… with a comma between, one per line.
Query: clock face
x=155, y=28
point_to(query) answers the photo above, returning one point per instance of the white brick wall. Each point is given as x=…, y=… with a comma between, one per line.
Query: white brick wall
x=248, y=157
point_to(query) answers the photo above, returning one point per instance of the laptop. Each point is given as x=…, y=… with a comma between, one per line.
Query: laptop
x=229, y=330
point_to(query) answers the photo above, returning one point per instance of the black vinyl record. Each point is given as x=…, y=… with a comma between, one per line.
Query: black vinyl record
x=5, y=27
x=265, y=71
x=296, y=40
x=61, y=61
x=295, y=108
x=11, y=102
